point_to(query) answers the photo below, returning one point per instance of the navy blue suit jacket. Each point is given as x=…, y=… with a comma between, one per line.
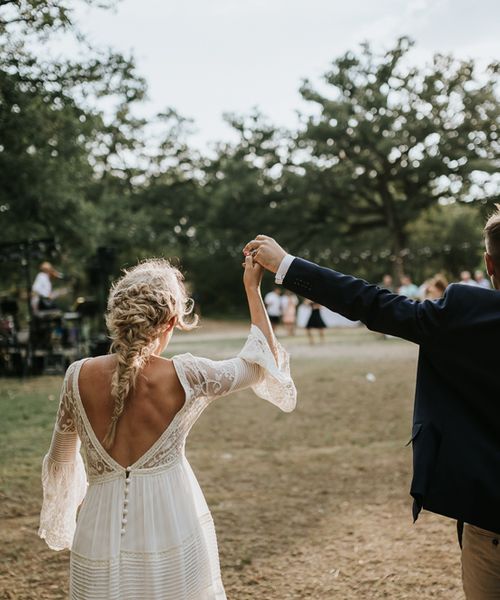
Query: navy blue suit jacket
x=456, y=422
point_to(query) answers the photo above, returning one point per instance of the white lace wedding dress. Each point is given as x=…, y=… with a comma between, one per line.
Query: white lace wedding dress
x=145, y=531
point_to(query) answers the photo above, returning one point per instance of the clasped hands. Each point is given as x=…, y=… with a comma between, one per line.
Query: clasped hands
x=263, y=252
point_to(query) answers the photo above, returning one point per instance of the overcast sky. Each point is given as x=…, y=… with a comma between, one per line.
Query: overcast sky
x=207, y=57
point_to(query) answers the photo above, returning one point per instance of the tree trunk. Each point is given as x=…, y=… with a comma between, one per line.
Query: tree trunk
x=395, y=228
x=398, y=245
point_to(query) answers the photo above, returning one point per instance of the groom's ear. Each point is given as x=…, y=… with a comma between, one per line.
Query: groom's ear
x=490, y=265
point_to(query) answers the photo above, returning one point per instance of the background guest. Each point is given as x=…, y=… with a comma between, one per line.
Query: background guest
x=436, y=287
x=481, y=280
x=315, y=322
x=272, y=301
x=289, y=303
x=408, y=288
x=466, y=279
x=387, y=282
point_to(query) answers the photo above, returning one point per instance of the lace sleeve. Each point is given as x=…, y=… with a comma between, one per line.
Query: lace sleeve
x=63, y=475
x=254, y=367
x=275, y=383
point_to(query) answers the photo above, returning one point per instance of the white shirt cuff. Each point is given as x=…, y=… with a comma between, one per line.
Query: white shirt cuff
x=283, y=268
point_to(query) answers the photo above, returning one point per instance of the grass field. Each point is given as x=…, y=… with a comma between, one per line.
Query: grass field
x=312, y=504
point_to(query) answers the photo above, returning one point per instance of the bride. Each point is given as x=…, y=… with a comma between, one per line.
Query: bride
x=143, y=529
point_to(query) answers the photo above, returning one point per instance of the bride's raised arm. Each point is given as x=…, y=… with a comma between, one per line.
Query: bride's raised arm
x=252, y=279
x=262, y=364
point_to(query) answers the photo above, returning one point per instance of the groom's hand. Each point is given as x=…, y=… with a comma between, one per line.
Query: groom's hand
x=266, y=251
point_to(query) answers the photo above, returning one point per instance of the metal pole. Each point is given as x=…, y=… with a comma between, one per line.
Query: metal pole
x=27, y=273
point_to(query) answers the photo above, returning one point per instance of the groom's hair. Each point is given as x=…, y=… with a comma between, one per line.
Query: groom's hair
x=492, y=235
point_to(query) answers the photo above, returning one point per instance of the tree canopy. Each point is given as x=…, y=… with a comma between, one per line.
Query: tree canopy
x=382, y=163
x=391, y=141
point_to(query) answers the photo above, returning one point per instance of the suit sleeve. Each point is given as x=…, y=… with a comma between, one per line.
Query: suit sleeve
x=378, y=308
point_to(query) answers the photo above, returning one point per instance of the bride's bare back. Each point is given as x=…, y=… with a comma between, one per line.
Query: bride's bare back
x=150, y=408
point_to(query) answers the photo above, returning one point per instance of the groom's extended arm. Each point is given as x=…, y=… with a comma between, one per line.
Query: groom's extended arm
x=379, y=309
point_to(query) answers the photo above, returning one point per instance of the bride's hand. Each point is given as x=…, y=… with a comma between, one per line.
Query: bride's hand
x=252, y=275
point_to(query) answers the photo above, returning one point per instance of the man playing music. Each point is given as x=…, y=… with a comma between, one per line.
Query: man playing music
x=42, y=296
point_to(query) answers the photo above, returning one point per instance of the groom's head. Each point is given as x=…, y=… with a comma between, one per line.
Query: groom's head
x=492, y=243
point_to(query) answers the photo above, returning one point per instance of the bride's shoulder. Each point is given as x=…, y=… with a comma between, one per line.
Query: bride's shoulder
x=94, y=362
x=95, y=365
x=190, y=364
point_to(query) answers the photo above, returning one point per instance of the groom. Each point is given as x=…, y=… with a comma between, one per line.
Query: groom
x=456, y=422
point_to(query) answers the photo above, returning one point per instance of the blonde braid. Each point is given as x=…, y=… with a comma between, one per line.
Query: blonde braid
x=140, y=305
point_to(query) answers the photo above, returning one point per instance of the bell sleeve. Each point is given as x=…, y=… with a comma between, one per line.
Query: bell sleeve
x=64, y=480
x=255, y=367
x=274, y=382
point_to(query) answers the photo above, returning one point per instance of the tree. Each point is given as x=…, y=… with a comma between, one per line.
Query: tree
x=446, y=239
x=240, y=195
x=202, y=210
x=58, y=153
x=40, y=15
x=391, y=140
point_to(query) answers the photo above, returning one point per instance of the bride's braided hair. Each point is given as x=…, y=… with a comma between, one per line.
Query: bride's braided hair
x=140, y=305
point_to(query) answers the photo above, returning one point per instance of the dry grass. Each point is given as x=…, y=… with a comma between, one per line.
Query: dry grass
x=312, y=504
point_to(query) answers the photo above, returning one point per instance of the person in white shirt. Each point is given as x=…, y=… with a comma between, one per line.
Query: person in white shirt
x=481, y=280
x=466, y=279
x=42, y=296
x=272, y=301
x=289, y=303
x=408, y=288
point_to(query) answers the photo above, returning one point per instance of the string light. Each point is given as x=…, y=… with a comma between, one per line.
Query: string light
x=406, y=253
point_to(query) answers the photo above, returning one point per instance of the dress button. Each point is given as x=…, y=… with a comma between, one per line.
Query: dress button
x=124, y=521
x=125, y=501
x=127, y=481
x=125, y=511
x=122, y=531
x=128, y=469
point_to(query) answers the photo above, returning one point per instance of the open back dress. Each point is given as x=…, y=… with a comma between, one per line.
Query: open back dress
x=145, y=531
